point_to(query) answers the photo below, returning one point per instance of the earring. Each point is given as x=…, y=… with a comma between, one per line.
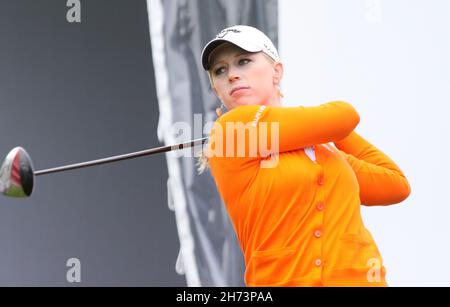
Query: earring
x=219, y=111
x=280, y=93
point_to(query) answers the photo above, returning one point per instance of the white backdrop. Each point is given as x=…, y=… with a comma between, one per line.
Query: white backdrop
x=390, y=59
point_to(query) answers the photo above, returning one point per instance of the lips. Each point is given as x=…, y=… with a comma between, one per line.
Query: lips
x=238, y=88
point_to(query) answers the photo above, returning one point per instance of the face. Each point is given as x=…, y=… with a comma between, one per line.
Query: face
x=243, y=78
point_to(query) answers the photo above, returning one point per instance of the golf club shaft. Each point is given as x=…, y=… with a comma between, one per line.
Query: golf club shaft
x=122, y=157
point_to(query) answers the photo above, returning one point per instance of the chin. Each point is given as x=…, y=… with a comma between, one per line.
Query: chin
x=246, y=102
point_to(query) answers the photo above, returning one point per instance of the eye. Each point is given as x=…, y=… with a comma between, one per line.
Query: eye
x=244, y=61
x=219, y=71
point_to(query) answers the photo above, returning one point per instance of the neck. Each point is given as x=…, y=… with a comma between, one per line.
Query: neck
x=275, y=100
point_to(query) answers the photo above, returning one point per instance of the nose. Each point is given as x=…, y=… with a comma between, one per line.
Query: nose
x=233, y=75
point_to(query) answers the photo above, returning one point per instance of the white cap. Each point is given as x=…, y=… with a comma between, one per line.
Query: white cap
x=248, y=38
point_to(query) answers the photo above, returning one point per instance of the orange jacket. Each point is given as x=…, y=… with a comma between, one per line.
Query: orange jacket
x=299, y=222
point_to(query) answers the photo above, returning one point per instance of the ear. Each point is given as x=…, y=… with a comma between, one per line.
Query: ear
x=278, y=73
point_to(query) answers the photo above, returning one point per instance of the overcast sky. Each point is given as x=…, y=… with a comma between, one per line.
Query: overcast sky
x=390, y=60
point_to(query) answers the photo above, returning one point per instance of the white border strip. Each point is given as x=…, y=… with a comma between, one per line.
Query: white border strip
x=156, y=21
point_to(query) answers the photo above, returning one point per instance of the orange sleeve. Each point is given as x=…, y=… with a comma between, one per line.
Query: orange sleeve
x=298, y=127
x=380, y=180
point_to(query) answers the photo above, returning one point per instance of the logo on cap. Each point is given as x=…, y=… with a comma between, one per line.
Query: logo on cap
x=224, y=33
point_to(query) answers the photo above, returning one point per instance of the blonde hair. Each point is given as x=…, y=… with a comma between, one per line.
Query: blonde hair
x=202, y=161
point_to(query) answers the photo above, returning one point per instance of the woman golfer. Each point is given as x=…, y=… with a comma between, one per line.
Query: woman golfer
x=293, y=198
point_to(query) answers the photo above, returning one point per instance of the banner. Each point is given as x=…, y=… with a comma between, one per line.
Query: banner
x=209, y=251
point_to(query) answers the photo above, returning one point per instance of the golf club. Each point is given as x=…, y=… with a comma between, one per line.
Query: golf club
x=17, y=171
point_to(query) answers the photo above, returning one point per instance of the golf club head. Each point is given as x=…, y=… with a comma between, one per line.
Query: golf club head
x=17, y=174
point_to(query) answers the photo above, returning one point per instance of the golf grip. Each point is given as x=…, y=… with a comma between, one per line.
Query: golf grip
x=138, y=154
